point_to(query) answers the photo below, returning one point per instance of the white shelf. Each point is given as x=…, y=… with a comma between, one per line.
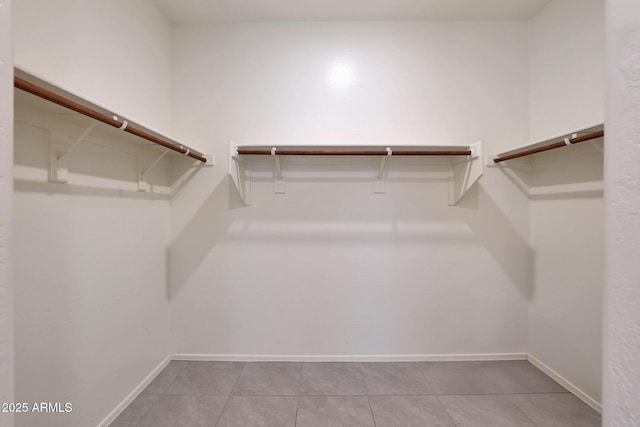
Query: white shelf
x=51, y=116
x=87, y=102
x=465, y=162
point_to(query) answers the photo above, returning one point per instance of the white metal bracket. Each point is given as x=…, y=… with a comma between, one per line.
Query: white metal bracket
x=597, y=147
x=143, y=185
x=465, y=172
x=211, y=160
x=378, y=185
x=279, y=182
x=58, y=169
x=188, y=174
x=240, y=176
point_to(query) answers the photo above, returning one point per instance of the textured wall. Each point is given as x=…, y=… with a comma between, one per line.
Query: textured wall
x=622, y=177
x=6, y=198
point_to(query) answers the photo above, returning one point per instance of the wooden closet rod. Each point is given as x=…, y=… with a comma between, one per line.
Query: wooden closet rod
x=576, y=140
x=242, y=151
x=79, y=108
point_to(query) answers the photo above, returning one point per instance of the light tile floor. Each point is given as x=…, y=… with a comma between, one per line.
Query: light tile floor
x=421, y=394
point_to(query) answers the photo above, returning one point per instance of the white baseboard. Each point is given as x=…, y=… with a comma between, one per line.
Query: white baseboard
x=349, y=358
x=566, y=384
x=136, y=391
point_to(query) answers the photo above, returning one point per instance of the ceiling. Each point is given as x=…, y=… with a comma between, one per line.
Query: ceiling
x=198, y=11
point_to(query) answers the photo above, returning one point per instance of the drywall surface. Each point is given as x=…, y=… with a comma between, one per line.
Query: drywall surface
x=115, y=53
x=6, y=203
x=330, y=268
x=622, y=176
x=91, y=307
x=566, y=48
x=567, y=234
x=567, y=223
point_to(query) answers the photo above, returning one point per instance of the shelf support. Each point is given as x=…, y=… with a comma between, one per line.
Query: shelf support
x=188, y=174
x=378, y=185
x=239, y=174
x=597, y=147
x=143, y=185
x=58, y=169
x=463, y=173
x=279, y=182
x=465, y=170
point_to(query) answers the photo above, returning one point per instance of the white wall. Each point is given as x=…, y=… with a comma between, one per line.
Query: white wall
x=331, y=268
x=116, y=53
x=567, y=234
x=91, y=307
x=567, y=227
x=566, y=49
x=90, y=270
x=6, y=203
x=622, y=175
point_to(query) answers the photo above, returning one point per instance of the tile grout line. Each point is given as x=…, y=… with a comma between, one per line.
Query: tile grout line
x=147, y=412
x=366, y=390
x=373, y=416
x=487, y=376
x=521, y=411
x=222, y=411
x=295, y=420
x=154, y=394
x=177, y=375
x=229, y=395
x=446, y=411
x=364, y=380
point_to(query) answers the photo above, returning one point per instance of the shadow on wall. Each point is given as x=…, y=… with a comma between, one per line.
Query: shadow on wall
x=369, y=221
x=201, y=234
x=491, y=226
x=575, y=172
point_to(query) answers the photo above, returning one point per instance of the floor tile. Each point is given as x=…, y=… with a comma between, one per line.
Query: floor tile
x=460, y=378
x=132, y=415
x=396, y=378
x=332, y=379
x=484, y=411
x=269, y=379
x=334, y=411
x=211, y=378
x=556, y=410
x=192, y=411
x=409, y=411
x=162, y=382
x=519, y=376
x=259, y=411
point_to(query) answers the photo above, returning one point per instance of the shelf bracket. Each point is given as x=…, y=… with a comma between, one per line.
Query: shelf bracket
x=279, y=182
x=597, y=147
x=378, y=185
x=240, y=176
x=463, y=173
x=143, y=185
x=58, y=169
